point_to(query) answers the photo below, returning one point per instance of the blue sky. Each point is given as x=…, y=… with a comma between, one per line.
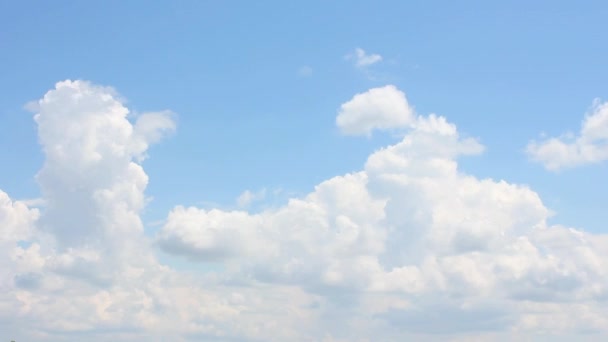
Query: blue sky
x=256, y=88
x=503, y=72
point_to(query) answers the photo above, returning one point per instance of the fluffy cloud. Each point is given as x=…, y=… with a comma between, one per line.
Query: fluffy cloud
x=362, y=59
x=93, y=186
x=407, y=248
x=376, y=109
x=82, y=266
x=16, y=219
x=590, y=146
x=416, y=244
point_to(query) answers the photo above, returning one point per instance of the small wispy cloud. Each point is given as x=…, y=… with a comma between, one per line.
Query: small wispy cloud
x=34, y=202
x=248, y=197
x=362, y=59
x=305, y=71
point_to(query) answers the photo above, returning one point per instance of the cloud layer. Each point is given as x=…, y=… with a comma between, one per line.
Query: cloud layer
x=588, y=147
x=408, y=247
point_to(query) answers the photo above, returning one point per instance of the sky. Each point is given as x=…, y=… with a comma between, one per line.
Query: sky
x=313, y=171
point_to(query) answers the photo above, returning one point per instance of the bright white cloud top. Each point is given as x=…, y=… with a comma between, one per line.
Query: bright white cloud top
x=407, y=247
x=376, y=109
x=590, y=146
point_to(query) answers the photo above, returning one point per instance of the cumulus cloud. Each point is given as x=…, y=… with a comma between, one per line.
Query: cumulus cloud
x=91, y=181
x=376, y=109
x=362, y=59
x=449, y=252
x=82, y=264
x=409, y=247
x=15, y=219
x=589, y=146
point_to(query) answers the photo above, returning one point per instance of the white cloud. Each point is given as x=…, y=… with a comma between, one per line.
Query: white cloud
x=361, y=59
x=85, y=267
x=91, y=181
x=590, y=146
x=376, y=109
x=15, y=219
x=407, y=248
x=412, y=227
x=248, y=197
x=33, y=202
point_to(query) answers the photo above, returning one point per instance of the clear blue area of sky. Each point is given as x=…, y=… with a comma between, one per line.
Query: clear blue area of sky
x=503, y=71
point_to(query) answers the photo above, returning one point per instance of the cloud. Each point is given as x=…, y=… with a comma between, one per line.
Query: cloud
x=376, y=109
x=409, y=247
x=590, y=146
x=361, y=59
x=305, y=71
x=82, y=267
x=93, y=186
x=16, y=219
x=453, y=254
x=248, y=197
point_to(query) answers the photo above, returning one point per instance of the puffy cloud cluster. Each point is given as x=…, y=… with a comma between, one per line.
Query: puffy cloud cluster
x=451, y=252
x=408, y=247
x=82, y=266
x=590, y=146
x=93, y=185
